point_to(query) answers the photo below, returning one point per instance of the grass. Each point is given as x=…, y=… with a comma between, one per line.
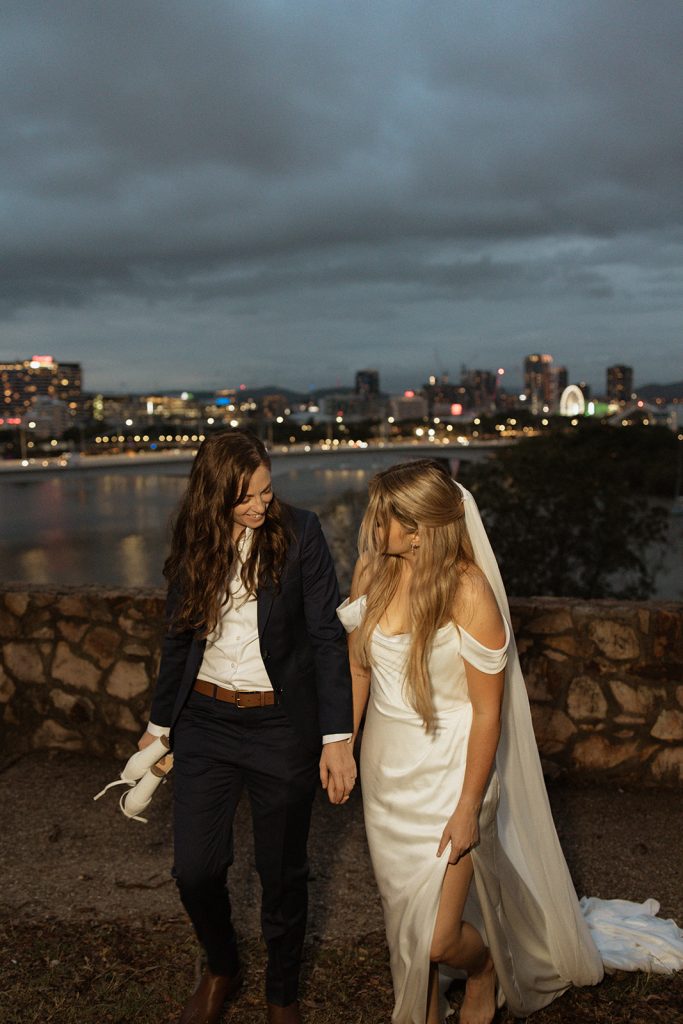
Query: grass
x=105, y=972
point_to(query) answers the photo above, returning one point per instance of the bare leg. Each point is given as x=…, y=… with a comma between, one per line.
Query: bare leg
x=458, y=944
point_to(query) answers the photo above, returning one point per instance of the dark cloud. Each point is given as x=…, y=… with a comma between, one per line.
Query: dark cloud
x=385, y=182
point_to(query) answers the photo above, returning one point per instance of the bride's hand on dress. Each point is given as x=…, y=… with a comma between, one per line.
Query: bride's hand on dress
x=462, y=832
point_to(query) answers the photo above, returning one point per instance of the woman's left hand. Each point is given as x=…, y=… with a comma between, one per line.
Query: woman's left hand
x=462, y=832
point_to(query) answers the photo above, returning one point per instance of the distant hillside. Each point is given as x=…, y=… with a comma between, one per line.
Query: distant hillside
x=666, y=391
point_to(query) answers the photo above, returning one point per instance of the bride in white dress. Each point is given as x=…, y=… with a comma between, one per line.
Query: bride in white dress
x=463, y=846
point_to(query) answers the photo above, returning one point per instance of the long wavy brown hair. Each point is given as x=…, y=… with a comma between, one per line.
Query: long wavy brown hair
x=203, y=552
x=422, y=496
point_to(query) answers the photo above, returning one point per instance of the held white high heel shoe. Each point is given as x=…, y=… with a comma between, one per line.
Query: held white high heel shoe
x=139, y=763
x=138, y=799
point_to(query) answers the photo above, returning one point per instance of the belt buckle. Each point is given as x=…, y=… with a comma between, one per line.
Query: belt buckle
x=237, y=700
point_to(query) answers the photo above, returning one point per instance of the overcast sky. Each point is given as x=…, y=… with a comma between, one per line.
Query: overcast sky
x=198, y=194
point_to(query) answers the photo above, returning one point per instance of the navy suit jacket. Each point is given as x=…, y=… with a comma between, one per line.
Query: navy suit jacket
x=303, y=644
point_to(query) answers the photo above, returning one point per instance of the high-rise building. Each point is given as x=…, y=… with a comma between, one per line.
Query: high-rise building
x=22, y=381
x=441, y=395
x=619, y=383
x=367, y=383
x=481, y=387
x=539, y=385
x=408, y=406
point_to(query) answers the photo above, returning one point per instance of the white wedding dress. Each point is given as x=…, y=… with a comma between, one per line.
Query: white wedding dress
x=522, y=899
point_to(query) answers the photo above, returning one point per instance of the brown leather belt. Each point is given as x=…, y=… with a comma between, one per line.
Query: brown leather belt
x=240, y=698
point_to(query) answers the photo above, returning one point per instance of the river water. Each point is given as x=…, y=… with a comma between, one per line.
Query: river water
x=111, y=526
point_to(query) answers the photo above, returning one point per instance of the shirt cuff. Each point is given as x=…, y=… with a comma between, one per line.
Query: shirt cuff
x=337, y=737
x=157, y=730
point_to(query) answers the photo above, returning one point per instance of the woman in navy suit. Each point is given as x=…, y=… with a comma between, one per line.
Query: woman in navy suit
x=254, y=689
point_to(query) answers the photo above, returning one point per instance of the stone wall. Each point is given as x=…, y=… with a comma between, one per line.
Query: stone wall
x=76, y=666
x=605, y=681
x=605, y=678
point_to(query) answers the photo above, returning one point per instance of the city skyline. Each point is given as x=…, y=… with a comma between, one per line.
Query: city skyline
x=200, y=196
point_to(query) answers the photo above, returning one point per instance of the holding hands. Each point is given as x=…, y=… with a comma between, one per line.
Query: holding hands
x=338, y=771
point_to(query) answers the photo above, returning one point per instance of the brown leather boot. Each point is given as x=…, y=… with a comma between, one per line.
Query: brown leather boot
x=206, y=1002
x=284, y=1014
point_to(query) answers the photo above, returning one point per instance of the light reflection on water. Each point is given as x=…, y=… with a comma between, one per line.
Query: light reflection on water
x=113, y=526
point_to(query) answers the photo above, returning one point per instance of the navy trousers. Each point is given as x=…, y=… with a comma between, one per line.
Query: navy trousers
x=219, y=750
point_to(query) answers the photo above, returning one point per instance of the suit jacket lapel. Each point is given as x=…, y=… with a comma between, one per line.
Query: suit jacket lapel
x=264, y=604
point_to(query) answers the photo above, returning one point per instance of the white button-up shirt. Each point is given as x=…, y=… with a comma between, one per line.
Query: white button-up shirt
x=232, y=657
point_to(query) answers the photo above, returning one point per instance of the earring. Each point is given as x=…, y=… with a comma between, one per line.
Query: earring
x=414, y=546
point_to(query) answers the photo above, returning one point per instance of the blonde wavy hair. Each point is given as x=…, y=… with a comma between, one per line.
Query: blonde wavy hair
x=423, y=497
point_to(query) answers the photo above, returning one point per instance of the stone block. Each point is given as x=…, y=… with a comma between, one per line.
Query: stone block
x=669, y=725
x=84, y=606
x=555, y=656
x=74, y=606
x=7, y=687
x=72, y=631
x=24, y=662
x=636, y=700
x=128, y=679
x=77, y=672
x=39, y=626
x=585, y=699
x=598, y=753
x=75, y=706
x=137, y=629
x=644, y=621
x=103, y=645
x=137, y=650
x=667, y=766
x=552, y=729
x=52, y=734
x=17, y=603
x=559, y=621
x=127, y=720
x=567, y=644
x=614, y=639
x=679, y=695
x=10, y=626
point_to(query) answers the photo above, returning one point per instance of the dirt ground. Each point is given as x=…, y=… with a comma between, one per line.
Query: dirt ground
x=68, y=858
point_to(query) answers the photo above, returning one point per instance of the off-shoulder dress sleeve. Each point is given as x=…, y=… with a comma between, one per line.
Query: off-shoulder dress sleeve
x=350, y=613
x=483, y=658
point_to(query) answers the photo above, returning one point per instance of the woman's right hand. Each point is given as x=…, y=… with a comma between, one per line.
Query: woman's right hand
x=462, y=832
x=145, y=740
